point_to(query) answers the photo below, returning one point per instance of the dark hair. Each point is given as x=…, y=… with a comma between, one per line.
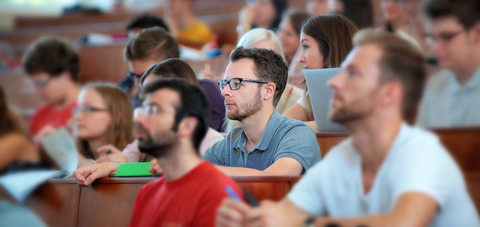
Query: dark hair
x=52, y=56
x=146, y=21
x=333, y=34
x=401, y=62
x=9, y=120
x=193, y=103
x=467, y=12
x=174, y=68
x=297, y=18
x=151, y=43
x=280, y=7
x=269, y=67
x=360, y=12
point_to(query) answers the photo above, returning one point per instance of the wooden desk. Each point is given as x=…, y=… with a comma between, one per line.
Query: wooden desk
x=109, y=201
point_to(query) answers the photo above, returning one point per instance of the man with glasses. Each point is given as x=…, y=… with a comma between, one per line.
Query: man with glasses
x=53, y=66
x=452, y=99
x=171, y=124
x=266, y=143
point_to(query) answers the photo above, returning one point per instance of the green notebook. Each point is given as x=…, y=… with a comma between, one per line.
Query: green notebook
x=136, y=169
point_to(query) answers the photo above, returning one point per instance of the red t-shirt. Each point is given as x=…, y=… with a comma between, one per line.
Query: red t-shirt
x=191, y=200
x=50, y=115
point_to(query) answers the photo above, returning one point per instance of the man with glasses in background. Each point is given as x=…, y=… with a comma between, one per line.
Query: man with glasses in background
x=53, y=66
x=266, y=143
x=452, y=99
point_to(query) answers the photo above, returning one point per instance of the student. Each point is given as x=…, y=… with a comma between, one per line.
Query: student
x=170, y=68
x=266, y=143
x=326, y=41
x=104, y=115
x=289, y=34
x=452, y=99
x=16, y=149
x=138, y=23
x=387, y=173
x=395, y=19
x=171, y=123
x=317, y=7
x=260, y=14
x=150, y=46
x=181, y=20
x=53, y=66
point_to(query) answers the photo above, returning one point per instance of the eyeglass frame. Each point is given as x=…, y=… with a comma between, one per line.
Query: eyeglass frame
x=228, y=82
x=41, y=85
x=444, y=38
x=156, y=110
x=87, y=110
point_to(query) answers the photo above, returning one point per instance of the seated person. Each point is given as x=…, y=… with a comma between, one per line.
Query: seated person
x=181, y=20
x=15, y=148
x=387, y=173
x=452, y=98
x=170, y=68
x=104, y=115
x=289, y=34
x=317, y=7
x=53, y=66
x=171, y=123
x=138, y=23
x=321, y=48
x=150, y=46
x=266, y=143
x=260, y=14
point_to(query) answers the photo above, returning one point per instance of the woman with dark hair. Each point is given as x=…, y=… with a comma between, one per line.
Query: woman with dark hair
x=15, y=147
x=326, y=41
x=289, y=34
x=261, y=14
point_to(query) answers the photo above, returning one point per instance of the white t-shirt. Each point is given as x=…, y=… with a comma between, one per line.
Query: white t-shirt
x=417, y=162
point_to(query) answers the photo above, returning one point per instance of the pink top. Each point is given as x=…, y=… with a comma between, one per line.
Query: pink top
x=132, y=153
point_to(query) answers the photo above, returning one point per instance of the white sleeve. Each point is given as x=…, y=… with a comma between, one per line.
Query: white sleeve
x=131, y=152
x=306, y=194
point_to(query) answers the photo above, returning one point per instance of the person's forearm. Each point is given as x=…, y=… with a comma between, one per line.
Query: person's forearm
x=243, y=171
x=370, y=221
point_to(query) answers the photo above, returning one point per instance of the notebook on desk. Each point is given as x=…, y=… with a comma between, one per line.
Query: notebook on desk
x=320, y=95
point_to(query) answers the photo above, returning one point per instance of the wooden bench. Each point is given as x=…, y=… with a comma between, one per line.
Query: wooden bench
x=109, y=201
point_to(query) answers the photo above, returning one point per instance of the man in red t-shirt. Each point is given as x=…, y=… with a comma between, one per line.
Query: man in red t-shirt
x=171, y=123
x=53, y=66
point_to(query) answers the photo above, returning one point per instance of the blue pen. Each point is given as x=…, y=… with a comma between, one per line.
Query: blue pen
x=232, y=193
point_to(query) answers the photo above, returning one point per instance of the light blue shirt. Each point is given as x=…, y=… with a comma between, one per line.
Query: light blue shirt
x=416, y=162
x=283, y=137
x=446, y=103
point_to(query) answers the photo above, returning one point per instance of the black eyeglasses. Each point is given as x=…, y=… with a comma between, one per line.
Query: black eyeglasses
x=442, y=38
x=236, y=83
x=134, y=76
x=86, y=110
x=41, y=84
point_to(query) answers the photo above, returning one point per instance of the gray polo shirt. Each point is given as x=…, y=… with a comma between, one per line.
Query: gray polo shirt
x=283, y=137
x=446, y=103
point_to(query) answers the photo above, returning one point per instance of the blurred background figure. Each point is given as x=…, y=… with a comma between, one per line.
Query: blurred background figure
x=289, y=34
x=326, y=42
x=140, y=22
x=317, y=7
x=184, y=25
x=261, y=14
x=104, y=115
x=360, y=12
x=16, y=150
x=395, y=19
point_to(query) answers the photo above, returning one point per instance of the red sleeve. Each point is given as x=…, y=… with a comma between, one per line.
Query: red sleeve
x=207, y=213
x=137, y=207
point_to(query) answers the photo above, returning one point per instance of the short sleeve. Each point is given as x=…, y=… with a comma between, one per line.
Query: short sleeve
x=306, y=194
x=302, y=101
x=300, y=143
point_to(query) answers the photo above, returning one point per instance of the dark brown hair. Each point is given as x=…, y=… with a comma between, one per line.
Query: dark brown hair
x=120, y=132
x=151, y=43
x=401, y=62
x=467, y=12
x=269, y=67
x=9, y=120
x=333, y=34
x=297, y=18
x=52, y=56
x=173, y=68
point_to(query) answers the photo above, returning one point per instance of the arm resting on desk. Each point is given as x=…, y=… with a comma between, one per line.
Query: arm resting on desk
x=87, y=174
x=283, y=166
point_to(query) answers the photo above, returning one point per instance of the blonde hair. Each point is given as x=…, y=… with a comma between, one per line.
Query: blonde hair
x=120, y=132
x=256, y=35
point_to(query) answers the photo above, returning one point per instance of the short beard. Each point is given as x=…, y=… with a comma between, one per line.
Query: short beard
x=162, y=146
x=359, y=109
x=247, y=109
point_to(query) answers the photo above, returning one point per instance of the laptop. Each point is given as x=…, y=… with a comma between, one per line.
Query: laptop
x=320, y=95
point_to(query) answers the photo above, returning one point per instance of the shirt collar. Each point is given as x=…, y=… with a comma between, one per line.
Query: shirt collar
x=273, y=124
x=473, y=83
